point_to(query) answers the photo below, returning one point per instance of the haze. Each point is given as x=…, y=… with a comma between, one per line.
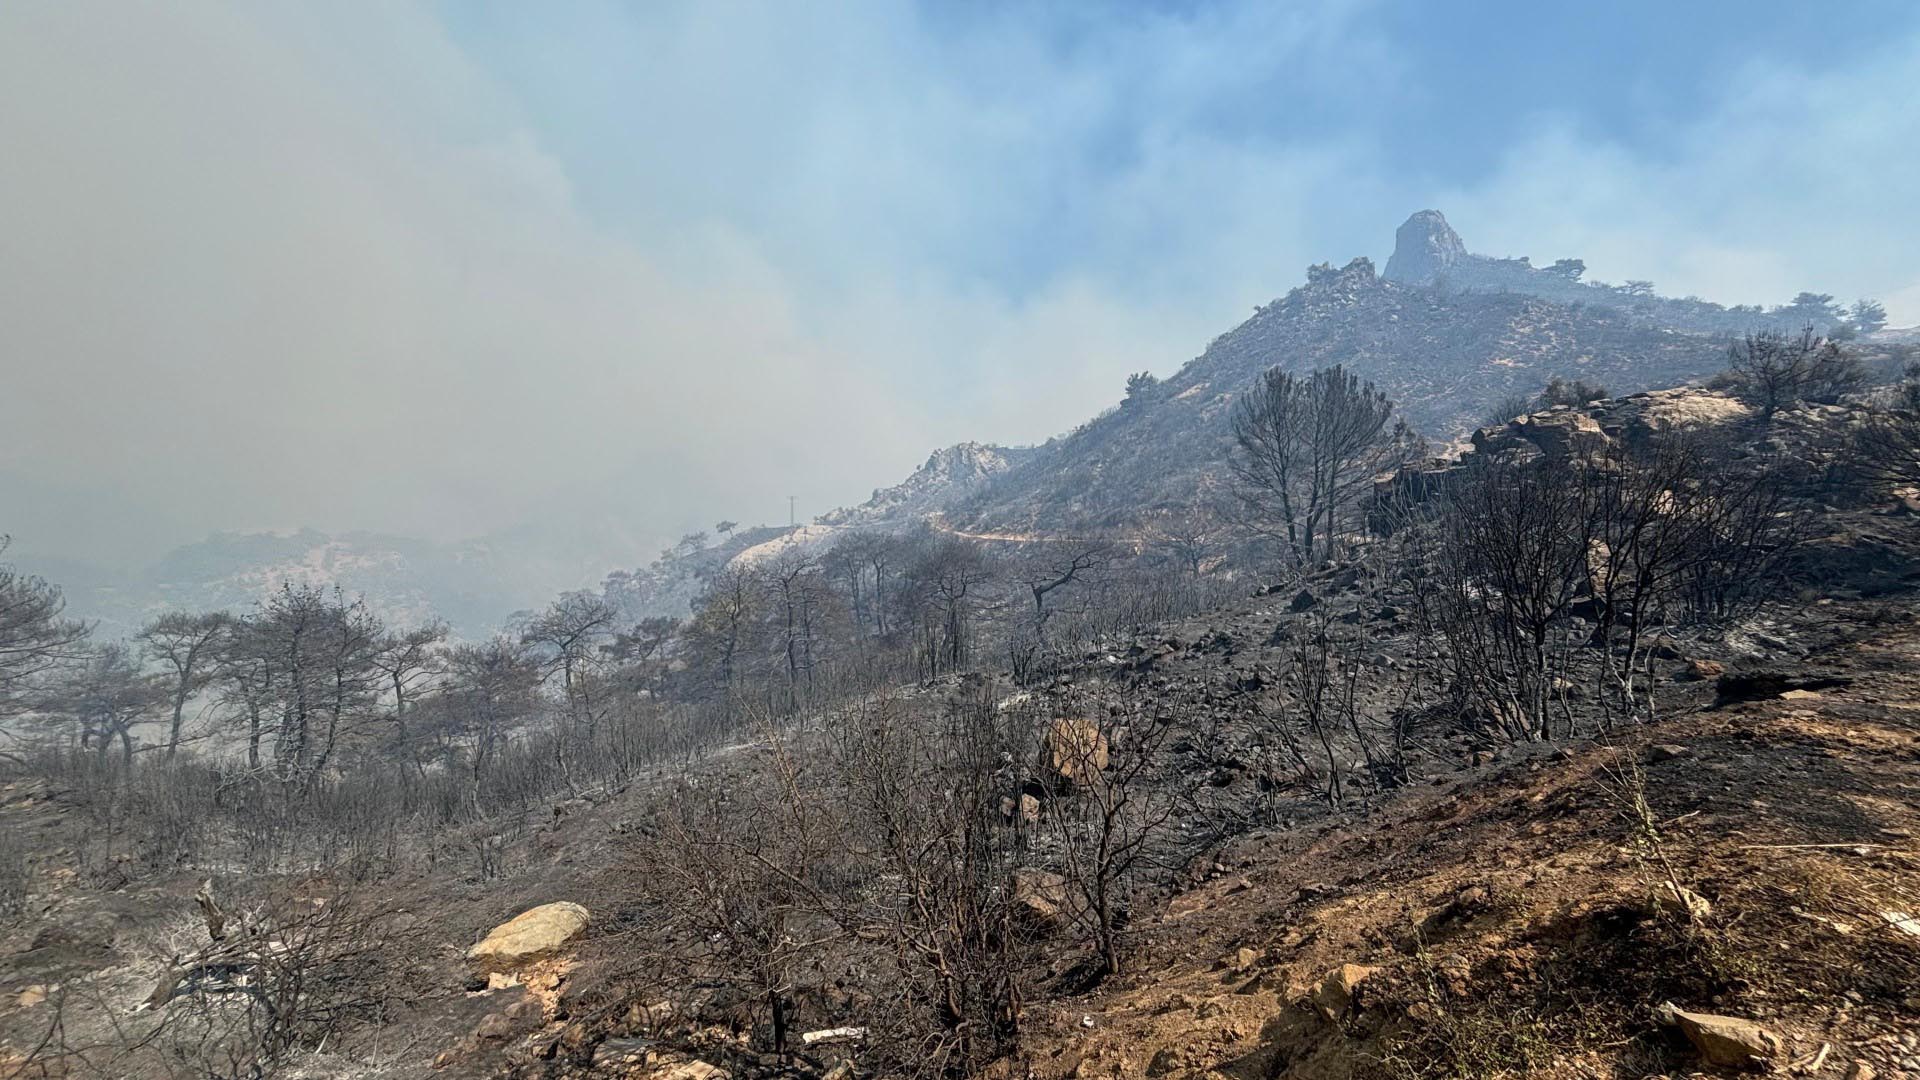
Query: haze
x=446, y=270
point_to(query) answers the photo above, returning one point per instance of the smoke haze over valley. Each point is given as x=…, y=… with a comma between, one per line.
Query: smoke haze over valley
x=403, y=270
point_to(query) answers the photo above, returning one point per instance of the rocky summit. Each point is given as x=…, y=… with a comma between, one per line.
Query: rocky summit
x=1424, y=248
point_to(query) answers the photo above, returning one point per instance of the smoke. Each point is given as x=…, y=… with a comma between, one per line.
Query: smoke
x=445, y=272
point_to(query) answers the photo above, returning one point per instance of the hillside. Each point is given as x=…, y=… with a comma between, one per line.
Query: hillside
x=1446, y=333
x=1496, y=915
x=1446, y=356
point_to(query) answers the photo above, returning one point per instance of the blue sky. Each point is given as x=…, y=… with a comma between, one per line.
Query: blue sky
x=450, y=268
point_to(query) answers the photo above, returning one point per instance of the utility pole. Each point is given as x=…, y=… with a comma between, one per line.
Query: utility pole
x=792, y=520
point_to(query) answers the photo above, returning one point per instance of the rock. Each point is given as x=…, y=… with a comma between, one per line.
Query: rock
x=535, y=933
x=1860, y=1070
x=31, y=996
x=1761, y=685
x=1334, y=993
x=1040, y=898
x=691, y=1069
x=1667, y=752
x=648, y=1017
x=833, y=1035
x=1424, y=247
x=1902, y=922
x=1076, y=748
x=1672, y=899
x=499, y=1027
x=1702, y=670
x=612, y=1052
x=1726, y=1041
x=1245, y=958
x=1304, y=600
x=1562, y=434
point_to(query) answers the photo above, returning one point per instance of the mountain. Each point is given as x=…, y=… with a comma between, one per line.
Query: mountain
x=1445, y=353
x=1446, y=333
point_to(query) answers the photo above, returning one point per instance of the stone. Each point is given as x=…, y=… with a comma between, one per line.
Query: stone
x=1076, y=748
x=1705, y=669
x=1424, y=247
x=1563, y=434
x=1902, y=922
x=1333, y=996
x=1726, y=1041
x=1667, y=752
x=628, y=1051
x=691, y=1069
x=1672, y=899
x=498, y=1027
x=531, y=935
x=1040, y=898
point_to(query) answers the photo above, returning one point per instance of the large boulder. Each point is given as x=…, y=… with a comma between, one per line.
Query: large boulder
x=1040, y=898
x=533, y=934
x=1076, y=749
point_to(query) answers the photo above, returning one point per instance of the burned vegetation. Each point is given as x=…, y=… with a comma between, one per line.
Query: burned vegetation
x=932, y=802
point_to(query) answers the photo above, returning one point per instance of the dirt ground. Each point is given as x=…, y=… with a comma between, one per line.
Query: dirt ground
x=1512, y=916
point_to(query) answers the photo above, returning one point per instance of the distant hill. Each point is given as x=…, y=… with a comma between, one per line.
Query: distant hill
x=473, y=586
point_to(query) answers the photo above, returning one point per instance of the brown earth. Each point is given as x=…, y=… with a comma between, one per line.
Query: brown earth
x=1511, y=916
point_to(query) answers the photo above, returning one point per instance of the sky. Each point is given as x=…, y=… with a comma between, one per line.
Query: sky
x=446, y=270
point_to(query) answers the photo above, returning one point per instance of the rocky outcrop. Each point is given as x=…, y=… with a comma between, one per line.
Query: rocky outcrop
x=1424, y=247
x=1428, y=252
x=948, y=476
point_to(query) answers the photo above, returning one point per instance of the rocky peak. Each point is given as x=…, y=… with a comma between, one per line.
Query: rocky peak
x=1424, y=247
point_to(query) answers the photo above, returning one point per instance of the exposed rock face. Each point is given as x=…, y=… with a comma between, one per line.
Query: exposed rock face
x=1424, y=247
x=948, y=476
x=532, y=934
